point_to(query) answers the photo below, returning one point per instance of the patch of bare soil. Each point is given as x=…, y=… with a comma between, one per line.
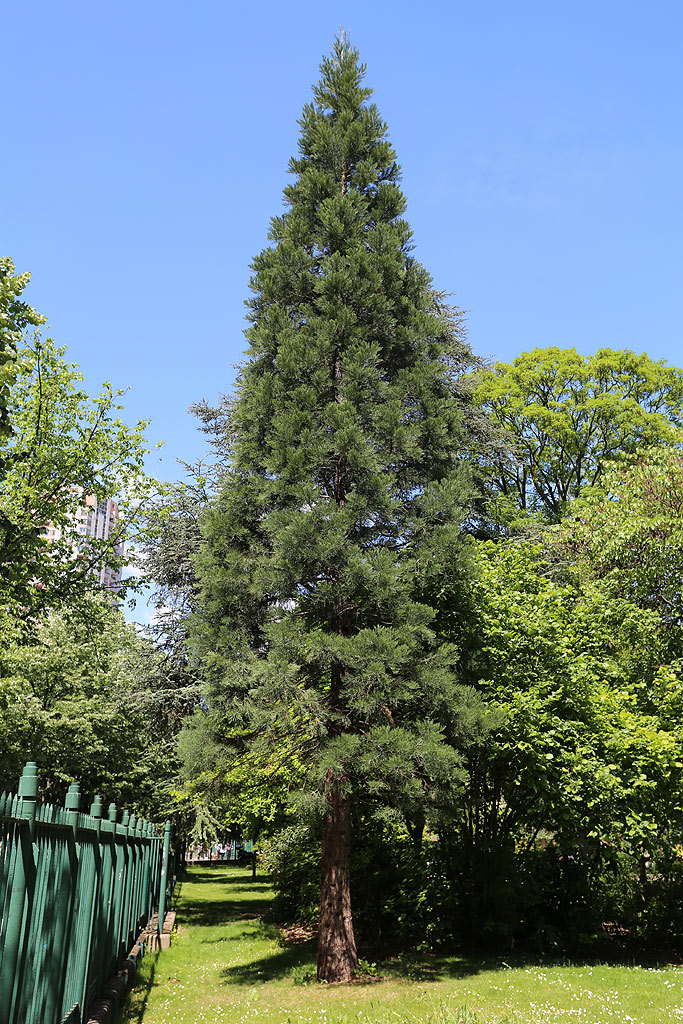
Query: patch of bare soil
x=298, y=933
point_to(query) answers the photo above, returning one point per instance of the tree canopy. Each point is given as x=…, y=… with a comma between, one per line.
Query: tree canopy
x=568, y=416
x=629, y=531
x=81, y=692
x=63, y=440
x=15, y=317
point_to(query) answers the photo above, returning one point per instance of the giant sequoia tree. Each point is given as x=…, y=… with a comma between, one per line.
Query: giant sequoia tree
x=345, y=480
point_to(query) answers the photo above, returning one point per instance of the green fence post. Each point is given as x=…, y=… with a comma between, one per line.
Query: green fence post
x=71, y=807
x=145, y=873
x=162, y=876
x=123, y=875
x=64, y=910
x=139, y=874
x=98, y=950
x=151, y=871
x=87, y=906
x=107, y=890
x=114, y=900
x=157, y=843
x=133, y=853
x=120, y=887
x=53, y=994
x=19, y=910
x=130, y=885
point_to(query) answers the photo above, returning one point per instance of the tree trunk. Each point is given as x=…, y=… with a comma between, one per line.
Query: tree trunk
x=337, y=957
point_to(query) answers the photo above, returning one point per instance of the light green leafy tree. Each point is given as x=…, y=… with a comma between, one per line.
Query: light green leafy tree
x=245, y=791
x=582, y=743
x=63, y=439
x=16, y=316
x=629, y=531
x=568, y=416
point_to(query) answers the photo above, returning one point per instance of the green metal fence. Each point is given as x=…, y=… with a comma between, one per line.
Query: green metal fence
x=75, y=891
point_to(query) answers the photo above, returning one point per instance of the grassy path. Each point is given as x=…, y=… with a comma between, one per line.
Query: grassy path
x=228, y=965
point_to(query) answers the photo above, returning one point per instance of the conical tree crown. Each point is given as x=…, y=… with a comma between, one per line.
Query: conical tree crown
x=348, y=387
x=346, y=433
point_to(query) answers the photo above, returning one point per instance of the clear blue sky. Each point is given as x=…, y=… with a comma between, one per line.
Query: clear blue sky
x=145, y=148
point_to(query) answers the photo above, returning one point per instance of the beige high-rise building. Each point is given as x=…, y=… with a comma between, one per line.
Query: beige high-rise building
x=97, y=518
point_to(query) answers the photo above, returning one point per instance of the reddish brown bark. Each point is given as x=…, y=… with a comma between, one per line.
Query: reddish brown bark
x=337, y=957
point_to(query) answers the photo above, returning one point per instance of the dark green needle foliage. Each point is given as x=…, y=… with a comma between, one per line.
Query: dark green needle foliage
x=346, y=481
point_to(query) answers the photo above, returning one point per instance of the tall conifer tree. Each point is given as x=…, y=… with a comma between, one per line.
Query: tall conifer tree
x=345, y=483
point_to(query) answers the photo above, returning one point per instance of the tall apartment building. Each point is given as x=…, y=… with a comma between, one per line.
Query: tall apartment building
x=97, y=518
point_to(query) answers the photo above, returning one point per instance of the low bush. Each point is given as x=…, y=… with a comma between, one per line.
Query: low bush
x=438, y=896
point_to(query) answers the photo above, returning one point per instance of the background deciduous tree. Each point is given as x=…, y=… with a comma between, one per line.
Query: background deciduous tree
x=81, y=692
x=629, y=531
x=569, y=415
x=62, y=437
x=15, y=317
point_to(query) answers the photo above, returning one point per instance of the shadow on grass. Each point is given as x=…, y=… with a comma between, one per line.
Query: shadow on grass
x=273, y=967
x=213, y=897
x=433, y=967
x=417, y=968
x=277, y=966
x=260, y=930
x=203, y=876
x=197, y=874
x=218, y=912
x=138, y=996
x=177, y=891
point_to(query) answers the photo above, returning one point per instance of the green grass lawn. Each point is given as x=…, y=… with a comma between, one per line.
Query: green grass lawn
x=228, y=965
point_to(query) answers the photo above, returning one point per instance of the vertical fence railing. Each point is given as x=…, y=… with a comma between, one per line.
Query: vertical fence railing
x=76, y=890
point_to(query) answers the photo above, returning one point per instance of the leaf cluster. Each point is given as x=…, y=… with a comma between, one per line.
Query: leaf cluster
x=567, y=416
